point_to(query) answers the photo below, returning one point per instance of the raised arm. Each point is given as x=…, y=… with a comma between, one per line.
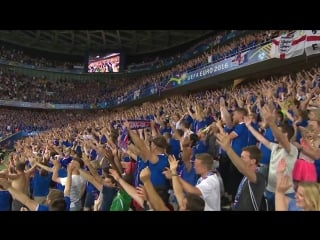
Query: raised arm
x=127, y=187
x=92, y=170
x=185, y=185
x=304, y=104
x=270, y=118
x=31, y=170
x=224, y=140
x=20, y=196
x=199, y=113
x=140, y=144
x=113, y=157
x=67, y=187
x=130, y=154
x=154, y=198
x=193, y=115
x=177, y=188
x=98, y=184
x=133, y=151
x=282, y=185
x=153, y=129
x=225, y=115
x=255, y=133
x=48, y=169
x=56, y=168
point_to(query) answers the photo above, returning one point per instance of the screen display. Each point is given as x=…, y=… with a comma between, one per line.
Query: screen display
x=104, y=63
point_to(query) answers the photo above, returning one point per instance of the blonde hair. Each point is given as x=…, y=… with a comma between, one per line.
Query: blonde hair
x=311, y=192
x=54, y=194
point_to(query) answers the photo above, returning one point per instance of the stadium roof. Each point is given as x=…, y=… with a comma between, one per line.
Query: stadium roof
x=76, y=42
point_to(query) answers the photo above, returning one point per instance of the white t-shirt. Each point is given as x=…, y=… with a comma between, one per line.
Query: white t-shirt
x=277, y=153
x=210, y=190
x=77, y=185
x=177, y=124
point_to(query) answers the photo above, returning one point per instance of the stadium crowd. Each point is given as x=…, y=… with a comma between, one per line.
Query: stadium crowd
x=242, y=148
x=210, y=150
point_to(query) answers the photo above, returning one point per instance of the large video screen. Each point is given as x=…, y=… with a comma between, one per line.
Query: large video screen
x=104, y=63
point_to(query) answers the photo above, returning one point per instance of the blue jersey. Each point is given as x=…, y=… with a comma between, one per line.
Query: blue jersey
x=103, y=139
x=241, y=140
x=157, y=177
x=251, y=139
x=266, y=152
x=200, y=147
x=140, y=165
x=175, y=147
x=199, y=125
x=189, y=176
x=93, y=154
x=108, y=194
x=41, y=184
x=5, y=201
x=65, y=161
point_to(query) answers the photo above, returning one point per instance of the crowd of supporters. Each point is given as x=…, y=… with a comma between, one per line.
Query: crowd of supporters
x=19, y=87
x=18, y=56
x=225, y=149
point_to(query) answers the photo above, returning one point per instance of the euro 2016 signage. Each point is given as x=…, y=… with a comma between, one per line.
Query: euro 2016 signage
x=237, y=61
x=209, y=71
